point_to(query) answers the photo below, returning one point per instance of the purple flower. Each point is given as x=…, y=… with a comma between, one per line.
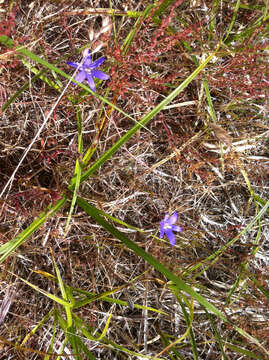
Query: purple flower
x=167, y=227
x=88, y=70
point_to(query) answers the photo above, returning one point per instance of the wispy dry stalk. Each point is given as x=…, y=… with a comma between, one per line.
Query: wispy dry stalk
x=6, y=303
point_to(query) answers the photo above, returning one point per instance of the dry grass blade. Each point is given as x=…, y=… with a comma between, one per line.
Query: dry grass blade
x=6, y=303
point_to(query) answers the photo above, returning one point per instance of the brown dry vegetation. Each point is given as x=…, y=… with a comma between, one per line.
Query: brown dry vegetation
x=183, y=161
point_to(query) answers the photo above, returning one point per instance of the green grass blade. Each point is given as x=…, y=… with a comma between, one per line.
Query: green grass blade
x=78, y=170
x=50, y=349
x=24, y=87
x=74, y=341
x=46, y=80
x=38, y=326
x=188, y=318
x=166, y=343
x=210, y=103
x=248, y=354
x=69, y=335
x=64, y=295
x=128, y=40
x=105, y=328
x=246, y=34
x=62, y=349
x=212, y=24
x=261, y=201
x=163, y=7
x=251, y=339
x=233, y=289
x=216, y=335
x=84, y=348
x=91, y=296
x=77, y=176
x=259, y=285
x=118, y=221
x=90, y=299
x=237, y=5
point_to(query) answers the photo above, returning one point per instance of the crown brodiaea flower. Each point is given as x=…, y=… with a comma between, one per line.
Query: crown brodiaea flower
x=88, y=69
x=167, y=227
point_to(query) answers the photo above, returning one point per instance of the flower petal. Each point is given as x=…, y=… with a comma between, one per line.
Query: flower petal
x=88, y=61
x=171, y=236
x=75, y=65
x=97, y=63
x=90, y=81
x=100, y=74
x=166, y=217
x=173, y=218
x=176, y=228
x=81, y=76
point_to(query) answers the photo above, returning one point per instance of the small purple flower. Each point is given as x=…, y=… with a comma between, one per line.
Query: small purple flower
x=167, y=227
x=88, y=70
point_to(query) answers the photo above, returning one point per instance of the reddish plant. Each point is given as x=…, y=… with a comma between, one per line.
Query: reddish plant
x=149, y=51
x=7, y=27
x=244, y=74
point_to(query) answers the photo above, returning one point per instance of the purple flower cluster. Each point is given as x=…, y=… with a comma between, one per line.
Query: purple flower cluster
x=167, y=227
x=88, y=70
